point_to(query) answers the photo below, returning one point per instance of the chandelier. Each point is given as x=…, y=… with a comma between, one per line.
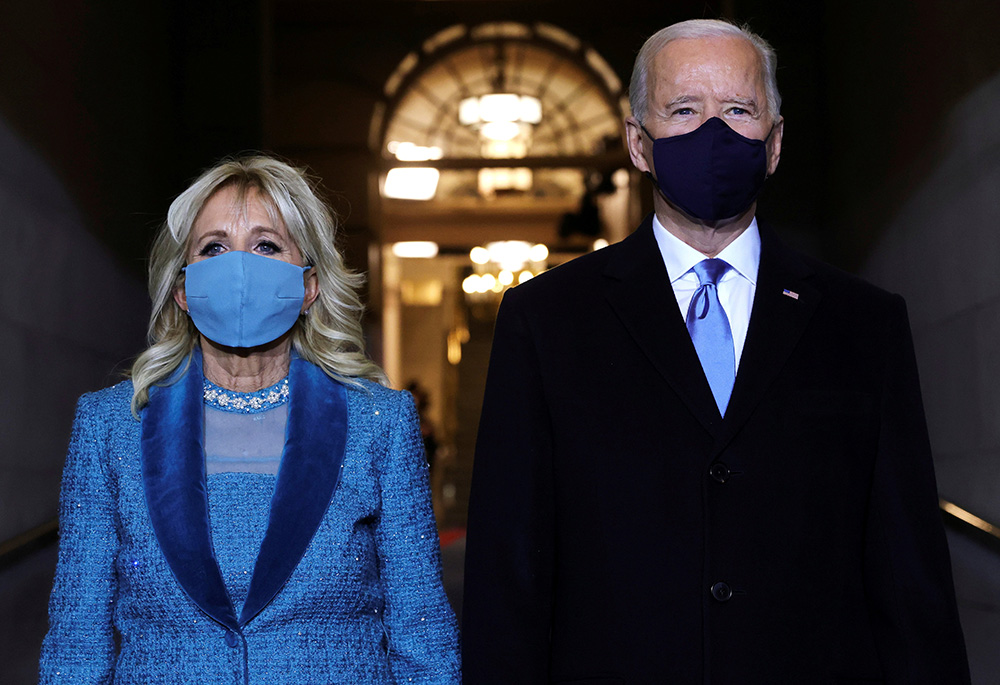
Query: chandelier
x=505, y=123
x=499, y=264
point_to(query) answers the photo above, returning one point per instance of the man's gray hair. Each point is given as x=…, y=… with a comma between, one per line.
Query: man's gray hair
x=700, y=28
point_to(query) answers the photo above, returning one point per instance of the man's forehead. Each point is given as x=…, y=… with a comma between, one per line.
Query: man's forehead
x=703, y=61
x=733, y=52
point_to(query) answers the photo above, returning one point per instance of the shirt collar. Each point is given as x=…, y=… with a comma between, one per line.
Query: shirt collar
x=743, y=254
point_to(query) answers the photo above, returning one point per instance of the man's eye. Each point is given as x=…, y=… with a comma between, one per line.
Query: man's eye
x=739, y=111
x=684, y=111
x=211, y=250
x=267, y=247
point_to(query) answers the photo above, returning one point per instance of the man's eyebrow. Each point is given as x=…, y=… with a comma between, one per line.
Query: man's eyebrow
x=680, y=100
x=749, y=103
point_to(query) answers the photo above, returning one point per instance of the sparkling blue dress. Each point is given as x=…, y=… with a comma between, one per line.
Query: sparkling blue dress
x=326, y=572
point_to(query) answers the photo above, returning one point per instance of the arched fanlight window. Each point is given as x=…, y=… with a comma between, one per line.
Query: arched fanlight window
x=498, y=108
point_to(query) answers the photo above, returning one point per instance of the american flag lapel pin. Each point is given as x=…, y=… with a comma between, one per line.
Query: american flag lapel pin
x=789, y=293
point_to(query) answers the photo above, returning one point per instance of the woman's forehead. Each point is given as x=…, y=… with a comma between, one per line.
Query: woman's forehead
x=235, y=208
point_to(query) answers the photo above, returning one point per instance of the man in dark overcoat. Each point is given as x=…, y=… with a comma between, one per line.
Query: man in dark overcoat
x=703, y=456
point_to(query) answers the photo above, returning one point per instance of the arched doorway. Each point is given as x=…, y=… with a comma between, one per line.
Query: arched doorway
x=500, y=149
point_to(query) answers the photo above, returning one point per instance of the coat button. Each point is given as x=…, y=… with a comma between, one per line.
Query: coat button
x=719, y=472
x=230, y=639
x=722, y=592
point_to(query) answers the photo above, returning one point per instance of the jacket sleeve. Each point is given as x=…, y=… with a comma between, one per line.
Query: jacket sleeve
x=79, y=647
x=507, y=612
x=420, y=625
x=907, y=567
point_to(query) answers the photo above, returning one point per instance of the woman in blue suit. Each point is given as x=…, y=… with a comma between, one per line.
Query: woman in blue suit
x=252, y=505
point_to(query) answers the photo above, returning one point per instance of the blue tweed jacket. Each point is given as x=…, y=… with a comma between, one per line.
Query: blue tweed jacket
x=328, y=572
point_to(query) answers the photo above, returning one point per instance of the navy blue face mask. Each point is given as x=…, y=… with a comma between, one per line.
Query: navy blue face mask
x=239, y=299
x=711, y=173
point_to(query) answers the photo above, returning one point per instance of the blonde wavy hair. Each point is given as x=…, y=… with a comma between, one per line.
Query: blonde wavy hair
x=328, y=335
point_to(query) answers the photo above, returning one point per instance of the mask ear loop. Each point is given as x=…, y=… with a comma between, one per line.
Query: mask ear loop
x=771, y=132
x=649, y=174
x=184, y=273
x=304, y=269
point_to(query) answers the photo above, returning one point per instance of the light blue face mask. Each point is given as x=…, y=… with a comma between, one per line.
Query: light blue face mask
x=239, y=299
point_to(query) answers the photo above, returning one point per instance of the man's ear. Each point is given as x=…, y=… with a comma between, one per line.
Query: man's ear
x=635, y=139
x=774, y=146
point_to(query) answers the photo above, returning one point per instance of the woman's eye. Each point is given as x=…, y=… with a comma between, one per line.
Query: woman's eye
x=211, y=250
x=267, y=247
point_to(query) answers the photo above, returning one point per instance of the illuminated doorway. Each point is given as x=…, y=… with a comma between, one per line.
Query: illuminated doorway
x=501, y=154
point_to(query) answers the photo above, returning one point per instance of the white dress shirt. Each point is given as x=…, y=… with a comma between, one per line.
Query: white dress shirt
x=736, y=287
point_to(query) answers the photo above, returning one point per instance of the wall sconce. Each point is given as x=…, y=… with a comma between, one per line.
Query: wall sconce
x=412, y=183
x=415, y=249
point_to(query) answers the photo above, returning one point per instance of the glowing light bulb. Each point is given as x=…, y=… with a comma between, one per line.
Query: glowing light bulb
x=471, y=284
x=539, y=253
x=479, y=255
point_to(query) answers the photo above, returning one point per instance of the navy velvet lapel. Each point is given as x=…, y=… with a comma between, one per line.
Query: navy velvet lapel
x=173, y=474
x=639, y=291
x=777, y=322
x=315, y=439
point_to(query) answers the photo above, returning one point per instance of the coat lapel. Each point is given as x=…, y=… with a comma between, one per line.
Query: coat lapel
x=174, y=481
x=639, y=291
x=315, y=440
x=173, y=473
x=783, y=305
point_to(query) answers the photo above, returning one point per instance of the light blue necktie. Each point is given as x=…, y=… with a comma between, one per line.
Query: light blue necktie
x=710, y=332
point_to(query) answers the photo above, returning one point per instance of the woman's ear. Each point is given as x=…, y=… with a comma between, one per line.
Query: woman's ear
x=180, y=297
x=312, y=289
